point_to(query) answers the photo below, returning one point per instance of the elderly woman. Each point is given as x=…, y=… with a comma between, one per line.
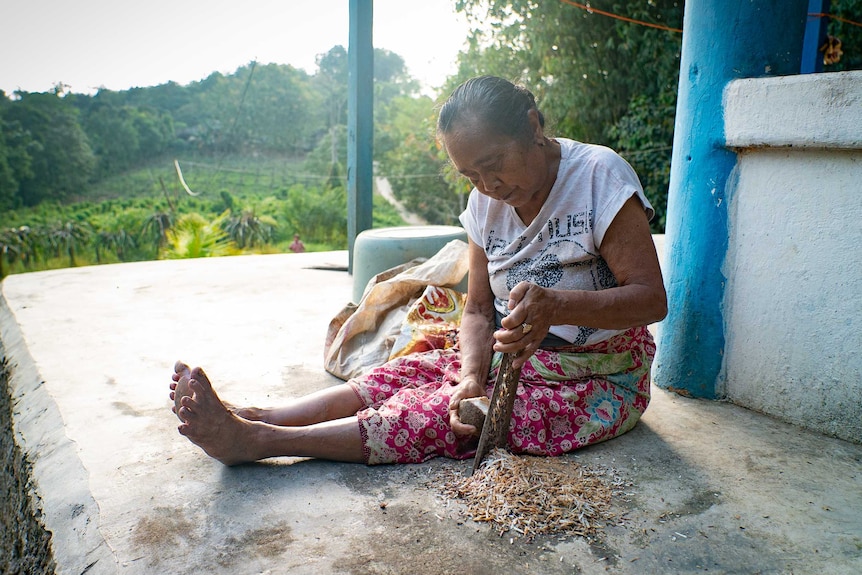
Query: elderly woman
x=563, y=274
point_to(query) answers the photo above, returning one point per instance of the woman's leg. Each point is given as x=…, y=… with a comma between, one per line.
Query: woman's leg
x=595, y=393
x=326, y=404
x=411, y=425
x=323, y=405
x=223, y=435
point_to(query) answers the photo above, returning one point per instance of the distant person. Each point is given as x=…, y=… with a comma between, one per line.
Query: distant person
x=563, y=275
x=297, y=246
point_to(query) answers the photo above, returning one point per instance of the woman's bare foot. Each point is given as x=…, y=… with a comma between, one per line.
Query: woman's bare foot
x=180, y=387
x=208, y=423
x=322, y=424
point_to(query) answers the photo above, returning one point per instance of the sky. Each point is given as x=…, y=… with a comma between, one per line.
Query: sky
x=115, y=44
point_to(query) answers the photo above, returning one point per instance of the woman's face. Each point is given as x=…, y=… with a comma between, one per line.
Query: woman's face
x=500, y=167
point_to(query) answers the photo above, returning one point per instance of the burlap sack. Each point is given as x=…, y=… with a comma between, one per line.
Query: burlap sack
x=360, y=336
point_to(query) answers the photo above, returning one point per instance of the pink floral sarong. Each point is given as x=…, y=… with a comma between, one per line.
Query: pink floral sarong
x=567, y=398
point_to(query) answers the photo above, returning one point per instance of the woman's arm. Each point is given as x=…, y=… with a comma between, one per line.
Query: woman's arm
x=638, y=299
x=475, y=338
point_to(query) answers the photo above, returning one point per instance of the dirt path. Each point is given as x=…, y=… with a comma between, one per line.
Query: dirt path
x=385, y=190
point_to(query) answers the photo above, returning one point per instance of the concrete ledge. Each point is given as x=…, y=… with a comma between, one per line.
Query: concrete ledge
x=794, y=289
x=708, y=485
x=25, y=544
x=805, y=111
x=61, y=510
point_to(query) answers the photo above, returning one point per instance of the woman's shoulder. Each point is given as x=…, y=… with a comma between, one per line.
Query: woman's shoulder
x=594, y=158
x=575, y=150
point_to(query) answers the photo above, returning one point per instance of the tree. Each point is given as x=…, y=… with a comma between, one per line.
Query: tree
x=168, y=98
x=10, y=249
x=8, y=181
x=195, y=237
x=597, y=79
x=318, y=215
x=391, y=81
x=15, y=160
x=247, y=230
x=61, y=159
x=391, y=78
x=275, y=109
x=642, y=138
x=331, y=83
x=415, y=165
x=328, y=159
x=115, y=139
x=155, y=131
x=66, y=238
x=156, y=227
x=258, y=108
x=849, y=35
x=585, y=67
x=32, y=244
x=119, y=241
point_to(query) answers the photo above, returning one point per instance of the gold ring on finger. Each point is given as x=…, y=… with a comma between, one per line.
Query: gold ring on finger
x=526, y=328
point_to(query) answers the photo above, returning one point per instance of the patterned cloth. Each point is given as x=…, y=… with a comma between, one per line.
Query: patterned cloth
x=567, y=398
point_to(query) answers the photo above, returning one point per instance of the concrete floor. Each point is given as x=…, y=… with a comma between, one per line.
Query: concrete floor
x=714, y=487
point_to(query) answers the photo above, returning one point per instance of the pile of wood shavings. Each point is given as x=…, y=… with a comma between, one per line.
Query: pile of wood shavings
x=537, y=495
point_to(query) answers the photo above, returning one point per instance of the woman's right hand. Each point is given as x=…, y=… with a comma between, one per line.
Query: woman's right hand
x=465, y=390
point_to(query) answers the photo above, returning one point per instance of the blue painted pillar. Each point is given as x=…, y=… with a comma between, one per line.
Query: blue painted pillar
x=360, y=120
x=815, y=36
x=722, y=40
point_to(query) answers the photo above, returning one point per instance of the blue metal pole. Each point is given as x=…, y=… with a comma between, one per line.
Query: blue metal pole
x=815, y=36
x=722, y=40
x=360, y=120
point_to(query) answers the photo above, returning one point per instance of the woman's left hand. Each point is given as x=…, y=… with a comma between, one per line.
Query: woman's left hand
x=526, y=325
x=466, y=389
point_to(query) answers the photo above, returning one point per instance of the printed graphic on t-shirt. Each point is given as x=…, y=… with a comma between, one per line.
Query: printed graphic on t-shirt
x=563, y=264
x=559, y=264
x=559, y=249
x=570, y=225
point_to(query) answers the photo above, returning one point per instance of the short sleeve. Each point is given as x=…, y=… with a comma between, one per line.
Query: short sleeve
x=469, y=221
x=617, y=182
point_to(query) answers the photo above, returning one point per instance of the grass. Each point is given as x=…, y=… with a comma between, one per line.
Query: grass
x=279, y=188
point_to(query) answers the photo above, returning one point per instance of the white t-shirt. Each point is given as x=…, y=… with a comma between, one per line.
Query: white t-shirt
x=561, y=247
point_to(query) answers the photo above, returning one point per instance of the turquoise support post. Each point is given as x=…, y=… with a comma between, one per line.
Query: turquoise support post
x=722, y=40
x=815, y=36
x=360, y=121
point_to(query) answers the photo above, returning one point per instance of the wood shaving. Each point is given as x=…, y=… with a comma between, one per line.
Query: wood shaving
x=536, y=495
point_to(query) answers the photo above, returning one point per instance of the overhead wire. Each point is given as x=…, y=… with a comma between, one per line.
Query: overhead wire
x=592, y=10
x=230, y=133
x=833, y=17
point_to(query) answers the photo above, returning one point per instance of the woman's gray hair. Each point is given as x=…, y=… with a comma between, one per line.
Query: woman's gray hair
x=498, y=105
